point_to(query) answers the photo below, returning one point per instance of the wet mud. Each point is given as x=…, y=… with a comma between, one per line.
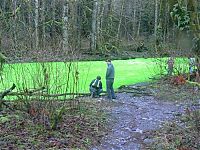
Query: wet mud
x=133, y=118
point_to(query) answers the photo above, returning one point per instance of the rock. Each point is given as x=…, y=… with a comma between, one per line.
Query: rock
x=138, y=130
x=148, y=141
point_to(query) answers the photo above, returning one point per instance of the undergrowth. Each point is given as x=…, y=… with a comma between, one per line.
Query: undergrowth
x=52, y=124
x=182, y=134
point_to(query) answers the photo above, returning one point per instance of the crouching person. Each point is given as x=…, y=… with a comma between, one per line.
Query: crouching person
x=96, y=87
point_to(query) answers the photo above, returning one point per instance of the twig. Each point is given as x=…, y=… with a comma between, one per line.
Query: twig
x=35, y=90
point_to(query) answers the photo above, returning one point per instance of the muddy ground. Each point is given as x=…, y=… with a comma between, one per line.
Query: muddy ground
x=134, y=118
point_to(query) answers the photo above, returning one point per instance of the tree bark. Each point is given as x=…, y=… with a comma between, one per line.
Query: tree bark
x=14, y=23
x=79, y=24
x=134, y=18
x=53, y=29
x=139, y=23
x=100, y=21
x=73, y=26
x=94, y=26
x=4, y=6
x=156, y=19
x=43, y=24
x=36, y=24
x=65, y=26
x=30, y=29
x=120, y=21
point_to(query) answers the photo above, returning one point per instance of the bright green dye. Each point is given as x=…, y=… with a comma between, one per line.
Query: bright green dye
x=31, y=75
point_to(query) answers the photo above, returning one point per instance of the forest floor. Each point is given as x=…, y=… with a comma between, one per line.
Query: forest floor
x=144, y=116
x=142, y=113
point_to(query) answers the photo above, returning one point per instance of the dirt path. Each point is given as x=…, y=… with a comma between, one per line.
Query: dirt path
x=133, y=118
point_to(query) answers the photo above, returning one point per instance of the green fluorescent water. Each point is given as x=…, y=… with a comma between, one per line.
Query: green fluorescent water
x=31, y=75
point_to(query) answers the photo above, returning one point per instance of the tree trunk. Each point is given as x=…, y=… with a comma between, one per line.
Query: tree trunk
x=30, y=29
x=168, y=24
x=36, y=24
x=120, y=21
x=4, y=6
x=139, y=23
x=65, y=27
x=94, y=26
x=79, y=24
x=134, y=19
x=73, y=26
x=0, y=40
x=165, y=22
x=14, y=23
x=43, y=24
x=53, y=35
x=156, y=19
x=100, y=22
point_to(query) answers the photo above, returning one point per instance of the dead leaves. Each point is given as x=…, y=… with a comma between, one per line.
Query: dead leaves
x=178, y=80
x=27, y=129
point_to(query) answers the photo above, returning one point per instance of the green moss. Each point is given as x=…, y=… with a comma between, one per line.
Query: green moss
x=4, y=119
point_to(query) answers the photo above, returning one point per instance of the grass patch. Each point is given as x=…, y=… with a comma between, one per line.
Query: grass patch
x=60, y=77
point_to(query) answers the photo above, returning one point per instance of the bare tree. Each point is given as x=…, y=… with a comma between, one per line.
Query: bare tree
x=30, y=29
x=14, y=22
x=36, y=24
x=101, y=7
x=53, y=32
x=94, y=26
x=139, y=19
x=156, y=18
x=79, y=24
x=134, y=17
x=120, y=19
x=65, y=26
x=43, y=23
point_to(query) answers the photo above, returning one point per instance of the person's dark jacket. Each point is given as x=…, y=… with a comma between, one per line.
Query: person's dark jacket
x=96, y=84
x=110, y=73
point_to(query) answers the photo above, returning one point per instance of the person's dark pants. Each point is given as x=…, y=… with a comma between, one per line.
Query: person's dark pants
x=95, y=92
x=109, y=88
x=170, y=71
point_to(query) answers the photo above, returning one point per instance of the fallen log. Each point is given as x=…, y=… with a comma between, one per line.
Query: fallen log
x=44, y=95
x=47, y=95
x=5, y=93
x=193, y=83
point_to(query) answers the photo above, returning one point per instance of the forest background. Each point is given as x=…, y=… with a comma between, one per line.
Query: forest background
x=50, y=30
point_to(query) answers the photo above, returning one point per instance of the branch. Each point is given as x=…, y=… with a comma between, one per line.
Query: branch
x=34, y=90
x=193, y=83
x=6, y=92
x=47, y=95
